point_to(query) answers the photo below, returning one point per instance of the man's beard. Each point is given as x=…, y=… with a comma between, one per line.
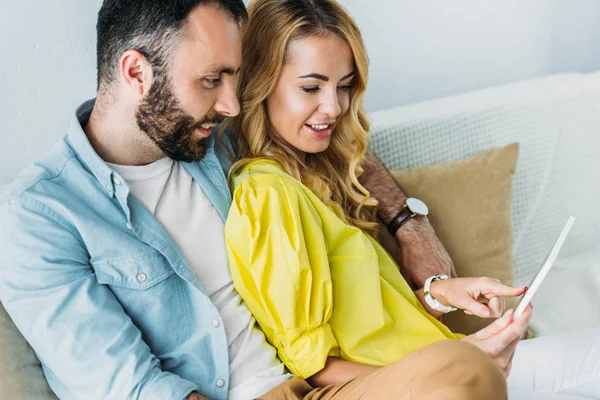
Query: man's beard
x=169, y=126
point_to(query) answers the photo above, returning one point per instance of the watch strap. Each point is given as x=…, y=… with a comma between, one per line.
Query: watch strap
x=433, y=303
x=400, y=219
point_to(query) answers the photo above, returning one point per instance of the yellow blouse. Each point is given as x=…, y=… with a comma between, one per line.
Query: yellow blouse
x=317, y=286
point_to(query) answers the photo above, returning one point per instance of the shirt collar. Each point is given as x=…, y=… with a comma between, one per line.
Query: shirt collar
x=81, y=144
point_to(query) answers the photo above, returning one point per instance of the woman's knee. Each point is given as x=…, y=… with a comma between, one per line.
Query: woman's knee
x=474, y=373
x=452, y=370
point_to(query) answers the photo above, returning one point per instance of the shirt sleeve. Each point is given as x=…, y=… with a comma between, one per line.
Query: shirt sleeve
x=88, y=345
x=278, y=259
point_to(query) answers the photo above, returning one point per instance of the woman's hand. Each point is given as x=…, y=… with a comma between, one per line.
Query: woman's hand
x=482, y=296
x=499, y=340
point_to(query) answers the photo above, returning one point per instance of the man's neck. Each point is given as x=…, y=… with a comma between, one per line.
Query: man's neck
x=116, y=138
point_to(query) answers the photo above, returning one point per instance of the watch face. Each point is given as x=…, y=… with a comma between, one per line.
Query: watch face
x=417, y=206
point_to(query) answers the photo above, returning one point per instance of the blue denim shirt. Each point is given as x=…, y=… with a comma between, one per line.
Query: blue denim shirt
x=99, y=289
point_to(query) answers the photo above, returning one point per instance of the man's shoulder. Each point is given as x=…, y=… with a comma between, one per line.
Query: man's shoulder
x=46, y=171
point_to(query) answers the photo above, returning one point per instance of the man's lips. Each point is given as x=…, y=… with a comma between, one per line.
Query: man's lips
x=203, y=131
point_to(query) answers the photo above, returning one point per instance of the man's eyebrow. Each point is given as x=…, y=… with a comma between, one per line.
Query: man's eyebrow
x=323, y=77
x=222, y=69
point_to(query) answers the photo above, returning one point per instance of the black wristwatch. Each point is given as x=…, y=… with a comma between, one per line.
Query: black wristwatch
x=412, y=208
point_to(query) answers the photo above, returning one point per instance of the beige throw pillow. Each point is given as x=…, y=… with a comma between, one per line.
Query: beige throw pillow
x=470, y=209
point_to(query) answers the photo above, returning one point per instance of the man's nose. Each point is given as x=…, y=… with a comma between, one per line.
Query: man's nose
x=227, y=104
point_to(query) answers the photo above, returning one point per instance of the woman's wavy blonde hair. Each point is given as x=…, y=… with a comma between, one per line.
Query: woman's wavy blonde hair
x=332, y=174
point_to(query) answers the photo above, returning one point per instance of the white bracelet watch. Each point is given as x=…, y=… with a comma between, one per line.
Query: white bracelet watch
x=433, y=303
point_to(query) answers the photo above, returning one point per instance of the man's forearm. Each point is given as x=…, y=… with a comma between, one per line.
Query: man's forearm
x=382, y=185
x=422, y=252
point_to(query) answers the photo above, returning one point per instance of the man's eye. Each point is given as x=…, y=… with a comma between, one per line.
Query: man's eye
x=212, y=82
x=310, y=89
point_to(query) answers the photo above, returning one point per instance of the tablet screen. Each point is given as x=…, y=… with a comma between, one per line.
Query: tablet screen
x=543, y=271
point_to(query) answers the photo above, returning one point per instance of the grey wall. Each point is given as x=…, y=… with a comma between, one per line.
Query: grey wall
x=48, y=67
x=419, y=49
x=422, y=49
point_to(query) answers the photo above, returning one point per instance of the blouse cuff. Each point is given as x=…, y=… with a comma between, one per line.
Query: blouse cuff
x=307, y=355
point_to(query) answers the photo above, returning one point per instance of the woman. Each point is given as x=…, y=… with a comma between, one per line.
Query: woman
x=301, y=230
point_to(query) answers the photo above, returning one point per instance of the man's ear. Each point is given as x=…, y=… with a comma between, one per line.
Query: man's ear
x=136, y=72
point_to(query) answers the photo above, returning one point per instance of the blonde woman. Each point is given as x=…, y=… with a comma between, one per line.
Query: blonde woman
x=301, y=229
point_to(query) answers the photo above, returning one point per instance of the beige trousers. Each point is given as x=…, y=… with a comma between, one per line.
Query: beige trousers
x=448, y=370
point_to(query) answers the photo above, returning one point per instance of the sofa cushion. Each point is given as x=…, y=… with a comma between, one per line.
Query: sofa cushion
x=469, y=203
x=21, y=375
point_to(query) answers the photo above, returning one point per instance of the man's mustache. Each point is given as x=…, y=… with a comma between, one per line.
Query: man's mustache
x=212, y=119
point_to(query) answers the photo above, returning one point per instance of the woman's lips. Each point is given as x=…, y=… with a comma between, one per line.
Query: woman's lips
x=320, y=133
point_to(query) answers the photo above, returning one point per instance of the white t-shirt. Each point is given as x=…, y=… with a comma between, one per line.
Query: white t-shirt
x=169, y=192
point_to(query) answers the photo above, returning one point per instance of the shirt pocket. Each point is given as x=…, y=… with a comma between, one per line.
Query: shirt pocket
x=152, y=294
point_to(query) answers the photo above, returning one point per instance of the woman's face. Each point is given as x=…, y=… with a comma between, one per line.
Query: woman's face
x=312, y=92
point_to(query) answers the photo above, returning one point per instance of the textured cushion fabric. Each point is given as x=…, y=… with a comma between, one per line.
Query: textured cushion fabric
x=556, y=121
x=21, y=375
x=469, y=202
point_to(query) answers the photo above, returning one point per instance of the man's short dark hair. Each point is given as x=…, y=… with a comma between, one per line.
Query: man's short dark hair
x=152, y=27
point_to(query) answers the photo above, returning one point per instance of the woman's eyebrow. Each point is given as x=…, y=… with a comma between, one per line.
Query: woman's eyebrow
x=316, y=76
x=323, y=77
x=347, y=76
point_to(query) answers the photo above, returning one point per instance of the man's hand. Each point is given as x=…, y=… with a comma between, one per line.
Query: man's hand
x=470, y=294
x=195, y=396
x=499, y=340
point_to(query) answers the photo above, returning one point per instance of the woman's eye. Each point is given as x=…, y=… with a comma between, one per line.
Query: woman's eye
x=310, y=89
x=345, y=88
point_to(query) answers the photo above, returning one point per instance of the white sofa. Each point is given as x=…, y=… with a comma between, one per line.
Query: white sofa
x=556, y=119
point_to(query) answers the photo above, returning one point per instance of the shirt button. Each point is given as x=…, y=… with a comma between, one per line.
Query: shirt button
x=129, y=226
x=116, y=180
x=142, y=277
x=108, y=188
x=216, y=323
x=220, y=383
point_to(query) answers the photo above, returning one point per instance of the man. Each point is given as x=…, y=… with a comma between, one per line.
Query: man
x=114, y=263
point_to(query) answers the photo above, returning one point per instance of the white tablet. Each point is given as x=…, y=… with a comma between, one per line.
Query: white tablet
x=541, y=274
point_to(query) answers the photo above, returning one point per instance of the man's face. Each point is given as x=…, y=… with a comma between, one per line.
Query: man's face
x=197, y=91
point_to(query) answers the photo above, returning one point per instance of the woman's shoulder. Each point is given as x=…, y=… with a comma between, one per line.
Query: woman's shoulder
x=263, y=174
x=263, y=183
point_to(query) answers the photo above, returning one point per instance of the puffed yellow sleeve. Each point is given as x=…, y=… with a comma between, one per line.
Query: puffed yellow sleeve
x=278, y=260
